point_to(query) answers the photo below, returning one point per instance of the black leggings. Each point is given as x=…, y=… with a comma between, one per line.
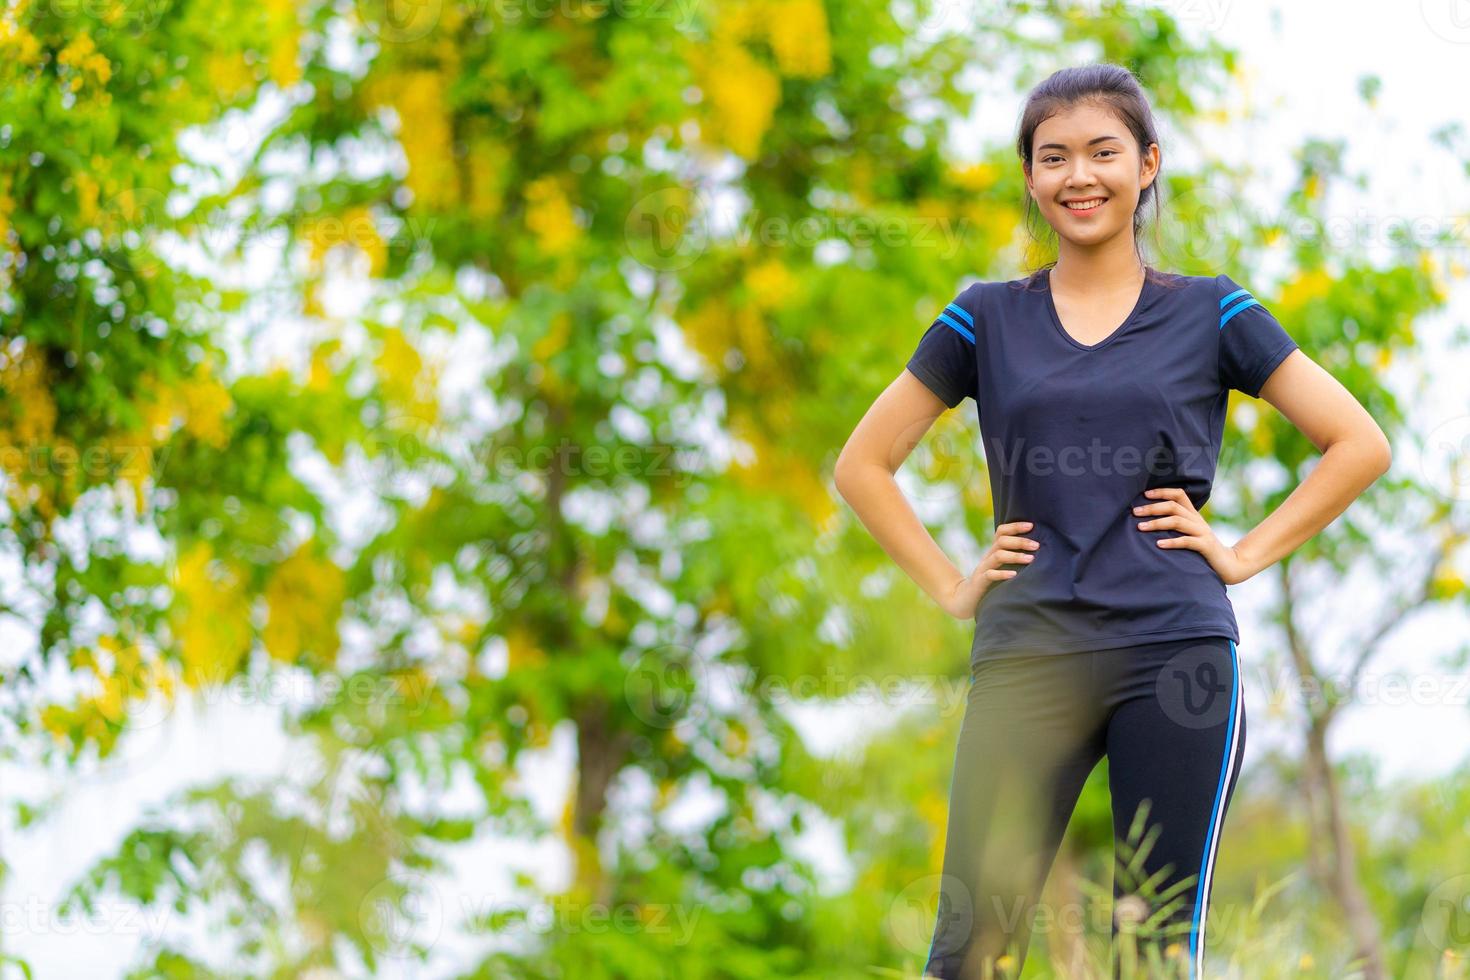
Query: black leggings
x=1170, y=718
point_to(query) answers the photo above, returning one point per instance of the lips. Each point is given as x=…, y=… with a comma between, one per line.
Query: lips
x=1100, y=203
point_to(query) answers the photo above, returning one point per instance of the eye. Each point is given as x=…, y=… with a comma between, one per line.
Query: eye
x=1114, y=152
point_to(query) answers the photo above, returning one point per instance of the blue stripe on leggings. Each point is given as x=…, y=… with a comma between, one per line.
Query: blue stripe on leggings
x=1206, y=864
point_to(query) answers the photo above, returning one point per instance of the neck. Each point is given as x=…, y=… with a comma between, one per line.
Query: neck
x=1092, y=268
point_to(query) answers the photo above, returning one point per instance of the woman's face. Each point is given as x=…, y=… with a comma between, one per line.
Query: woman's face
x=1086, y=154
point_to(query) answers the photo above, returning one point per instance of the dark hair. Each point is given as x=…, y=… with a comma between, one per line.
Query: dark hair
x=1113, y=87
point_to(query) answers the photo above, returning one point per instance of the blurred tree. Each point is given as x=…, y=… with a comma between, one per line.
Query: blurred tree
x=584, y=303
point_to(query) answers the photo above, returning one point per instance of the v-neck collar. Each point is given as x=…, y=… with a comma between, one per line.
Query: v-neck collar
x=1144, y=295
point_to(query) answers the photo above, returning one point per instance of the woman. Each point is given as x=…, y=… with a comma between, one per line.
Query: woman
x=1102, y=625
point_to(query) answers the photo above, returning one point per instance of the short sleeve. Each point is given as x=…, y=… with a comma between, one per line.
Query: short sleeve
x=945, y=357
x=1252, y=341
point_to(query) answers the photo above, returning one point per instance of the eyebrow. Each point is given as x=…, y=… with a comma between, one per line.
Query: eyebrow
x=1095, y=139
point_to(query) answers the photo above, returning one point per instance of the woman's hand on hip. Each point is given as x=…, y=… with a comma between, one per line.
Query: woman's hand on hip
x=1173, y=510
x=1008, y=548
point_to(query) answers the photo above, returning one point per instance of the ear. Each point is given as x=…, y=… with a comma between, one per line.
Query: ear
x=1149, y=167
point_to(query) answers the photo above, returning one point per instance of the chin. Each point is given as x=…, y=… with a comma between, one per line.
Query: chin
x=1091, y=237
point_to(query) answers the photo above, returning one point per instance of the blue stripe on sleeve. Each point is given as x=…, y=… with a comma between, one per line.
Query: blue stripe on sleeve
x=1252, y=301
x=1239, y=292
x=955, y=323
x=961, y=313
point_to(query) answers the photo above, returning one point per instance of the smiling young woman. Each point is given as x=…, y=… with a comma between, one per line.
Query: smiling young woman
x=1102, y=623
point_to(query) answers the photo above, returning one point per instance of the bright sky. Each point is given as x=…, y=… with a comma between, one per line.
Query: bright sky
x=1305, y=80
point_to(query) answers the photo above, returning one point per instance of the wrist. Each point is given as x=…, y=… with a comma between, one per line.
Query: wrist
x=950, y=592
x=1251, y=562
x=954, y=585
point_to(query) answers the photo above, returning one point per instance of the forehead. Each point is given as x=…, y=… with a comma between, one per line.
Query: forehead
x=1077, y=125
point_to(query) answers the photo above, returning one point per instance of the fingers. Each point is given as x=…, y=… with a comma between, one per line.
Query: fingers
x=1010, y=548
x=1166, y=497
x=1191, y=541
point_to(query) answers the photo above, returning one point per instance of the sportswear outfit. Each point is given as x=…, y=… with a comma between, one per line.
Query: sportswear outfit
x=1104, y=643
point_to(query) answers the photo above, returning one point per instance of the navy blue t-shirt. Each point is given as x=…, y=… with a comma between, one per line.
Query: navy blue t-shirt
x=1073, y=434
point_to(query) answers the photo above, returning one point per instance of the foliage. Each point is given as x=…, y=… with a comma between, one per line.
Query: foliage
x=439, y=377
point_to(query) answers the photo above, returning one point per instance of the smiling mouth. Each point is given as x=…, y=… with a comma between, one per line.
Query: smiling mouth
x=1092, y=204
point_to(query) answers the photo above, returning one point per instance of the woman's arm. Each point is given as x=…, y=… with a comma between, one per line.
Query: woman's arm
x=1355, y=452
x=891, y=428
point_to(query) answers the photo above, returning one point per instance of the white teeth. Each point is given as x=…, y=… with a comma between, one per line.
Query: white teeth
x=1088, y=206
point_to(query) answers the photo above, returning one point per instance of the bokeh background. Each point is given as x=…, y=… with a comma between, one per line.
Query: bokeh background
x=418, y=552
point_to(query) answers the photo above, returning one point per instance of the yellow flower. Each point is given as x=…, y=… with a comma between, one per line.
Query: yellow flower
x=56, y=720
x=206, y=402
x=935, y=813
x=210, y=615
x=355, y=228
x=88, y=191
x=404, y=379
x=283, y=62
x=976, y=177
x=17, y=43
x=799, y=38
x=1446, y=584
x=549, y=216
x=743, y=95
x=100, y=68
x=229, y=75
x=1311, y=285
x=304, y=598
x=28, y=411
x=771, y=284
x=424, y=132
x=322, y=372
x=81, y=56
x=1438, y=287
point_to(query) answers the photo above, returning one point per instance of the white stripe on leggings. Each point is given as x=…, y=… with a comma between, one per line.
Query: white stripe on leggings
x=1217, y=818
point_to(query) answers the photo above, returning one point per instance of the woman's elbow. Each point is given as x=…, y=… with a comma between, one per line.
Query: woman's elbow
x=1380, y=452
x=847, y=472
x=1385, y=453
x=842, y=473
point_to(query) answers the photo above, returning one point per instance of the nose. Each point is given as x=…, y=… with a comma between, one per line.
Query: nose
x=1080, y=176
